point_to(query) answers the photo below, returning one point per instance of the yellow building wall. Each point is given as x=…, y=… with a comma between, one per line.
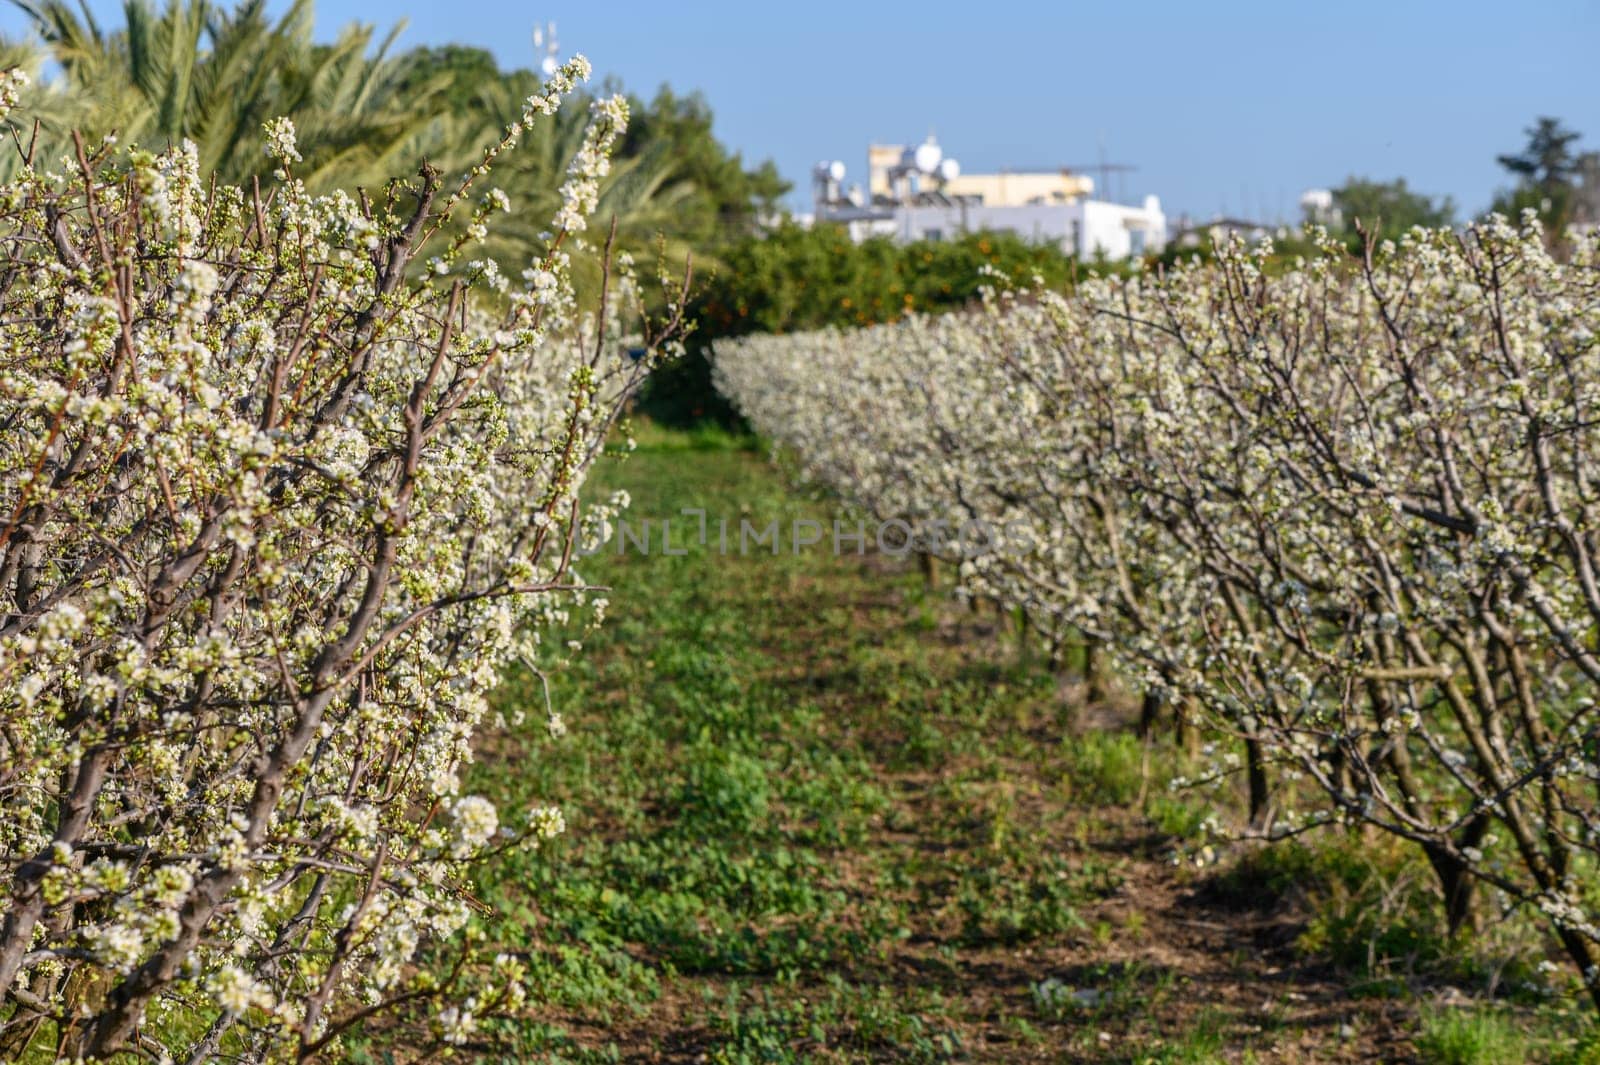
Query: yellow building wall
x=997, y=190
x=881, y=158
x=1012, y=190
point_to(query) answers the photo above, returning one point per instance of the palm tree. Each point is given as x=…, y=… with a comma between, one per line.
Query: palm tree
x=641, y=193
x=192, y=70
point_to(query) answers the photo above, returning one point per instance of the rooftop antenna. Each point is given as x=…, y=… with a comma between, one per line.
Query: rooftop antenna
x=544, y=38
x=1105, y=170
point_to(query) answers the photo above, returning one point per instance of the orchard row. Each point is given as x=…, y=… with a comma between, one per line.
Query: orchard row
x=1343, y=519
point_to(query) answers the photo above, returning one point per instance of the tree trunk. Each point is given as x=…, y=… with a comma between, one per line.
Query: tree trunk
x=1149, y=713
x=1256, y=767
x=1185, y=731
x=1094, y=687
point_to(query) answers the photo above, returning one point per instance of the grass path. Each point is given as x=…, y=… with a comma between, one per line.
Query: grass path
x=818, y=813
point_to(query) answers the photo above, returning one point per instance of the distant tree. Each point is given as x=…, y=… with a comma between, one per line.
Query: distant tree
x=1388, y=209
x=1553, y=178
x=1548, y=162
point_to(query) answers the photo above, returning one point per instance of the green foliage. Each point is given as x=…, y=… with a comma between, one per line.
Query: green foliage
x=853, y=1022
x=1497, y=1033
x=1388, y=209
x=1178, y=817
x=1373, y=907
x=1017, y=901
x=1370, y=903
x=797, y=278
x=1580, y=1047
x=723, y=790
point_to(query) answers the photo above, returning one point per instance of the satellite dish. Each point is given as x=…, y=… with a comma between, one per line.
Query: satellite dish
x=836, y=170
x=949, y=170
x=549, y=66
x=927, y=156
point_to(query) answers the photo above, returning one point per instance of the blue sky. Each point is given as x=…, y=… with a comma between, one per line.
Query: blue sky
x=1235, y=106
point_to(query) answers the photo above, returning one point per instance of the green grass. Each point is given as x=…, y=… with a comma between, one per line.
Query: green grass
x=1470, y=1037
x=818, y=812
x=778, y=788
x=1105, y=768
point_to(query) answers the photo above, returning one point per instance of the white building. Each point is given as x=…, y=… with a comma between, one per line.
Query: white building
x=924, y=196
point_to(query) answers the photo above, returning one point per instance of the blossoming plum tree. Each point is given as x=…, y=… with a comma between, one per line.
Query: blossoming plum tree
x=1346, y=515
x=279, y=501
